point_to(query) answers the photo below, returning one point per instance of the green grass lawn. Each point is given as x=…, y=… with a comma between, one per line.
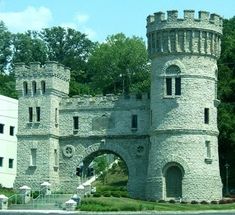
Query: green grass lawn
x=127, y=204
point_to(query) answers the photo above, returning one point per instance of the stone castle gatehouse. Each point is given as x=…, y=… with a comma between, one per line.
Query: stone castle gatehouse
x=168, y=140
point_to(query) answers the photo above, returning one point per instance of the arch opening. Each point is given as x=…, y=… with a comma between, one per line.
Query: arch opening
x=109, y=170
x=173, y=180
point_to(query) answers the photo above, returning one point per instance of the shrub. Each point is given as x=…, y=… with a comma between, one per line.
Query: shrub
x=222, y=201
x=204, y=202
x=214, y=202
x=194, y=202
x=172, y=201
x=35, y=194
x=161, y=201
x=116, y=194
x=96, y=195
x=106, y=194
x=183, y=202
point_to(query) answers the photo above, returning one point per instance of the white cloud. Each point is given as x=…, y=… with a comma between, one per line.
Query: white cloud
x=81, y=18
x=91, y=34
x=29, y=19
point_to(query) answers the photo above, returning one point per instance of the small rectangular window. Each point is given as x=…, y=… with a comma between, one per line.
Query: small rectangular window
x=56, y=116
x=1, y=128
x=1, y=161
x=33, y=157
x=208, y=149
x=38, y=114
x=10, y=164
x=168, y=86
x=75, y=122
x=206, y=115
x=56, y=157
x=30, y=114
x=177, y=86
x=134, y=123
x=12, y=129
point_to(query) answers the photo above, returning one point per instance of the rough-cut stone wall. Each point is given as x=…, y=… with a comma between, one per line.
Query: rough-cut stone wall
x=171, y=129
x=179, y=135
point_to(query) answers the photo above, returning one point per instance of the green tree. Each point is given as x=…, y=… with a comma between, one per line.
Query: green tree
x=5, y=47
x=120, y=64
x=29, y=47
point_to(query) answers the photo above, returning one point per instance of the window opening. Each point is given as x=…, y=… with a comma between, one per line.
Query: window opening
x=25, y=88
x=38, y=114
x=30, y=114
x=134, y=121
x=1, y=161
x=34, y=87
x=10, y=163
x=75, y=122
x=206, y=115
x=33, y=158
x=1, y=128
x=169, y=86
x=12, y=129
x=177, y=86
x=43, y=87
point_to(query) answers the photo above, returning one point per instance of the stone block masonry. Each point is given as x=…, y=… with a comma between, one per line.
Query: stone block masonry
x=168, y=140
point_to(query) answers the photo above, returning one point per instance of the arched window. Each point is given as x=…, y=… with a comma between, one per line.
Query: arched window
x=173, y=179
x=43, y=87
x=25, y=88
x=173, y=81
x=34, y=87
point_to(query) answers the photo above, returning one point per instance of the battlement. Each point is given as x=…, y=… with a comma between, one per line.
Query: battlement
x=49, y=69
x=107, y=101
x=184, y=35
x=204, y=17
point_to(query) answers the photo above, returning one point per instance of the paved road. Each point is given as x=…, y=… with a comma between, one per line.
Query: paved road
x=37, y=212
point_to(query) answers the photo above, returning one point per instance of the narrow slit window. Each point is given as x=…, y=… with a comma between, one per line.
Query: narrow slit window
x=1, y=161
x=75, y=122
x=56, y=116
x=178, y=86
x=12, y=131
x=25, y=88
x=1, y=128
x=43, y=87
x=34, y=87
x=134, y=121
x=208, y=149
x=169, y=86
x=30, y=114
x=56, y=157
x=206, y=115
x=38, y=114
x=33, y=157
x=10, y=164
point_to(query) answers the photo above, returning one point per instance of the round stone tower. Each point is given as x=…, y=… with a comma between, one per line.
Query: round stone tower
x=183, y=155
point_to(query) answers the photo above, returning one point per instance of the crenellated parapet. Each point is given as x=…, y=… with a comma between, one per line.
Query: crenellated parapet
x=49, y=69
x=107, y=101
x=188, y=35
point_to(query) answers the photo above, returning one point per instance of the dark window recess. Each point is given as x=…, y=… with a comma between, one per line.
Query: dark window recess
x=11, y=163
x=1, y=128
x=34, y=86
x=43, y=87
x=30, y=114
x=76, y=122
x=206, y=115
x=134, y=123
x=38, y=114
x=168, y=86
x=56, y=115
x=1, y=161
x=25, y=87
x=12, y=129
x=177, y=86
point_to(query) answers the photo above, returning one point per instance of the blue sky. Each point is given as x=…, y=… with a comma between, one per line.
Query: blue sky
x=99, y=18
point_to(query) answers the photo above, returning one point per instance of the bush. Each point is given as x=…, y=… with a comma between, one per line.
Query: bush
x=183, y=202
x=116, y=194
x=194, y=202
x=204, y=202
x=214, y=202
x=106, y=194
x=96, y=195
x=172, y=201
x=222, y=201
x=161, y=201
x=35, y=194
